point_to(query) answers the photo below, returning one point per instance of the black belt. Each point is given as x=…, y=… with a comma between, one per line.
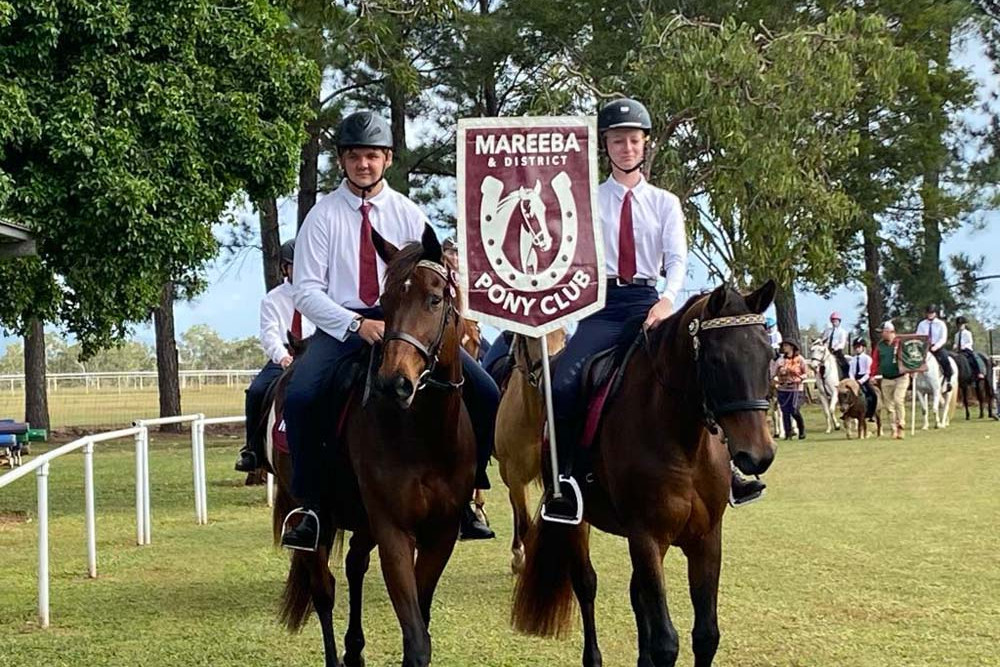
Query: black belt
x=635, y=282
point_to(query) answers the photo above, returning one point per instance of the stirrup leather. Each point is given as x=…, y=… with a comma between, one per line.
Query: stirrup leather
x=578, y=517
x=284, y=528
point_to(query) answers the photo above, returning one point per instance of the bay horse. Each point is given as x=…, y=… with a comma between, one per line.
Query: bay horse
x=405, y=465
x=520, y=419
x=661, y=476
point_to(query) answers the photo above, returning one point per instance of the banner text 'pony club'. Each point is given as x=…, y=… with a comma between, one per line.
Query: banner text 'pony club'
x=531, y=254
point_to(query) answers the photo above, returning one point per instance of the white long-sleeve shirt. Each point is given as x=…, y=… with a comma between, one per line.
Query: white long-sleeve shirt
x=836, y=337
x=658, y=227
x=328, y=248
x=963, y=340
x=936, y=330
x=860, y=363
x=276, y=311
x=774, y=336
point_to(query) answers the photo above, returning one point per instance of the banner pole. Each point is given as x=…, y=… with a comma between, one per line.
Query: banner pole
x=913, y=400
x=553, y=453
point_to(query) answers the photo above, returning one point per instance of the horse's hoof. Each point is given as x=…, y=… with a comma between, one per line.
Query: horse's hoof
x=354, y=661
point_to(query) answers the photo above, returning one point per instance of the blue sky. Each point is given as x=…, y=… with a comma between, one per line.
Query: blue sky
x=236, y=284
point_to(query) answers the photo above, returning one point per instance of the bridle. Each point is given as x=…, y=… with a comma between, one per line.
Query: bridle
x=532, y=373
x=712, y=409
x=431, y=354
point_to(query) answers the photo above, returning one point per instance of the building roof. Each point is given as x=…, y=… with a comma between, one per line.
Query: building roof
x=15, y=240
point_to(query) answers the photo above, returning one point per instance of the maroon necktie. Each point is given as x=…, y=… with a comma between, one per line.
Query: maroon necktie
x=368, y=269
x=297, y=325
x=626, y=241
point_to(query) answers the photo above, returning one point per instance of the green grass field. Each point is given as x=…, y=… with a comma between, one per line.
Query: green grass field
x=75, y=407
x=863, y=553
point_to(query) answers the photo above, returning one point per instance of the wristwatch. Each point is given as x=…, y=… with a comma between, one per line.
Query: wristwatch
x=355, y=324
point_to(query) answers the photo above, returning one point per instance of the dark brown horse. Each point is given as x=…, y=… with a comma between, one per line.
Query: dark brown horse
x=405, y=464
x=969, y=378
x=661, y=476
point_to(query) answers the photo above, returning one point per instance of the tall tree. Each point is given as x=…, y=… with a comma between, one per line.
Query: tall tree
x=133, y=127
x=36, y=402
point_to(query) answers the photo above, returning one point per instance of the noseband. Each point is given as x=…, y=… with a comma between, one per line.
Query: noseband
x=533, y=372
x=712, y=411
x=431, y=354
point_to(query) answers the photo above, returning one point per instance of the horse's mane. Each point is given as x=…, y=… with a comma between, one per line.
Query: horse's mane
x=668, y=328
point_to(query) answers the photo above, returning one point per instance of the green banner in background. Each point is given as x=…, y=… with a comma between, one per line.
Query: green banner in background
x=913, y=350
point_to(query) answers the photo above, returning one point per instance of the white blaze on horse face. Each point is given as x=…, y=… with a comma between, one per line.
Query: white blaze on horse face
x=534, y=227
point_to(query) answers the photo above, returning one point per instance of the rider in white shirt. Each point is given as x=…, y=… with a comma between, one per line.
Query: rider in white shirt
x=860, y=369
x=964, y=344
x=773, y=335
x=937, y=333
x=277, y=320
x=835, y=337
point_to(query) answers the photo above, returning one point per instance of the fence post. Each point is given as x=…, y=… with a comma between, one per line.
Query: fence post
x=42, y=477
x=203, y=481
x=140, y=522
x=146, y=522
x=91, y=519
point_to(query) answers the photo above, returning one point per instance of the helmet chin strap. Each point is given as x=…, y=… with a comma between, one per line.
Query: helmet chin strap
x=365, y=189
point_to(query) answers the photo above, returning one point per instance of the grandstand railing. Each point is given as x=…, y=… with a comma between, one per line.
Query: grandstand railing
x=143, y=524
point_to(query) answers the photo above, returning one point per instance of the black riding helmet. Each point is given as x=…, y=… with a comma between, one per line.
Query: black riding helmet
x=287, y=253
x=860, y=342
x=931, y=309
x=960, y=320
x=624, y=113
x=363, y=129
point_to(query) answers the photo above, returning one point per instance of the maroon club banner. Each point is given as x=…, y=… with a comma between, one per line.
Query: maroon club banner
x=532, y=257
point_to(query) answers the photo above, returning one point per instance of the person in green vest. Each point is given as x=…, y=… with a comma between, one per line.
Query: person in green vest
x=892, y=380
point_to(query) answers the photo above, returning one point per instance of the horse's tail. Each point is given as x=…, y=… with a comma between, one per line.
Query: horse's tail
x=296, y=599
x=543, y=595
x=283, y=504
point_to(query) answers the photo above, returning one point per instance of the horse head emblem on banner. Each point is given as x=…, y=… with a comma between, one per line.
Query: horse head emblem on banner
x=496, y=215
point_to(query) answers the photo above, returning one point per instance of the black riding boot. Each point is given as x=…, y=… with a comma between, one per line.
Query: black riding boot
x=304, y=536
x=744, y=491
x=247, y=461
x=471, y=528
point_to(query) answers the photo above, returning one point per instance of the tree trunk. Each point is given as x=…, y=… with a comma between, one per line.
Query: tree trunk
x=787, y=314
x=270, y=242
x=873, y=280
x=166, y=358
x=36, y=401
x=397, y=107
x=309, y=168
x=491, y=101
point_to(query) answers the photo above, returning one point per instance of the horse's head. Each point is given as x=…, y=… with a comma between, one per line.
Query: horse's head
x=817, y=353
x=422, y=326
x=533, y=212
x=528, y=353
x=733, y=357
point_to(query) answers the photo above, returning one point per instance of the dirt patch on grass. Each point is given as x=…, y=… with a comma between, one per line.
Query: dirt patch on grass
x=12, y=517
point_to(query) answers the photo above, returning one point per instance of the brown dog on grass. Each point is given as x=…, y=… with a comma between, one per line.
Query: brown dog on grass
x=854, y=404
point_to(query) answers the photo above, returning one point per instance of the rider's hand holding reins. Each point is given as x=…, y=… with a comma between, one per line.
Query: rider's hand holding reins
x=286, y=361
x=371, y=331
x=660, y=311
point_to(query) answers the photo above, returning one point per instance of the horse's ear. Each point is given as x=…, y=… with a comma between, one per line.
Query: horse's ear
x=760, y=299
x=432, y=247
x=538, y=187
x=384, y=249
x=717, y=300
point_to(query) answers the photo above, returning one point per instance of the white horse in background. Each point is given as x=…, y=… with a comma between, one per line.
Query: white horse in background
x=827, y=381
x=930, y=390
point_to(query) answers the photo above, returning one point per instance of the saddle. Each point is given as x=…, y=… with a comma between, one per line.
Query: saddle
x=348, y=379
x=603, y=375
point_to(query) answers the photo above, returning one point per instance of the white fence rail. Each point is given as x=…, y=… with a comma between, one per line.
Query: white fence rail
x=143, y=523
x=11, y=382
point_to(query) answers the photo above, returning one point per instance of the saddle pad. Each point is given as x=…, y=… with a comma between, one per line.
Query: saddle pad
x=602, y=380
